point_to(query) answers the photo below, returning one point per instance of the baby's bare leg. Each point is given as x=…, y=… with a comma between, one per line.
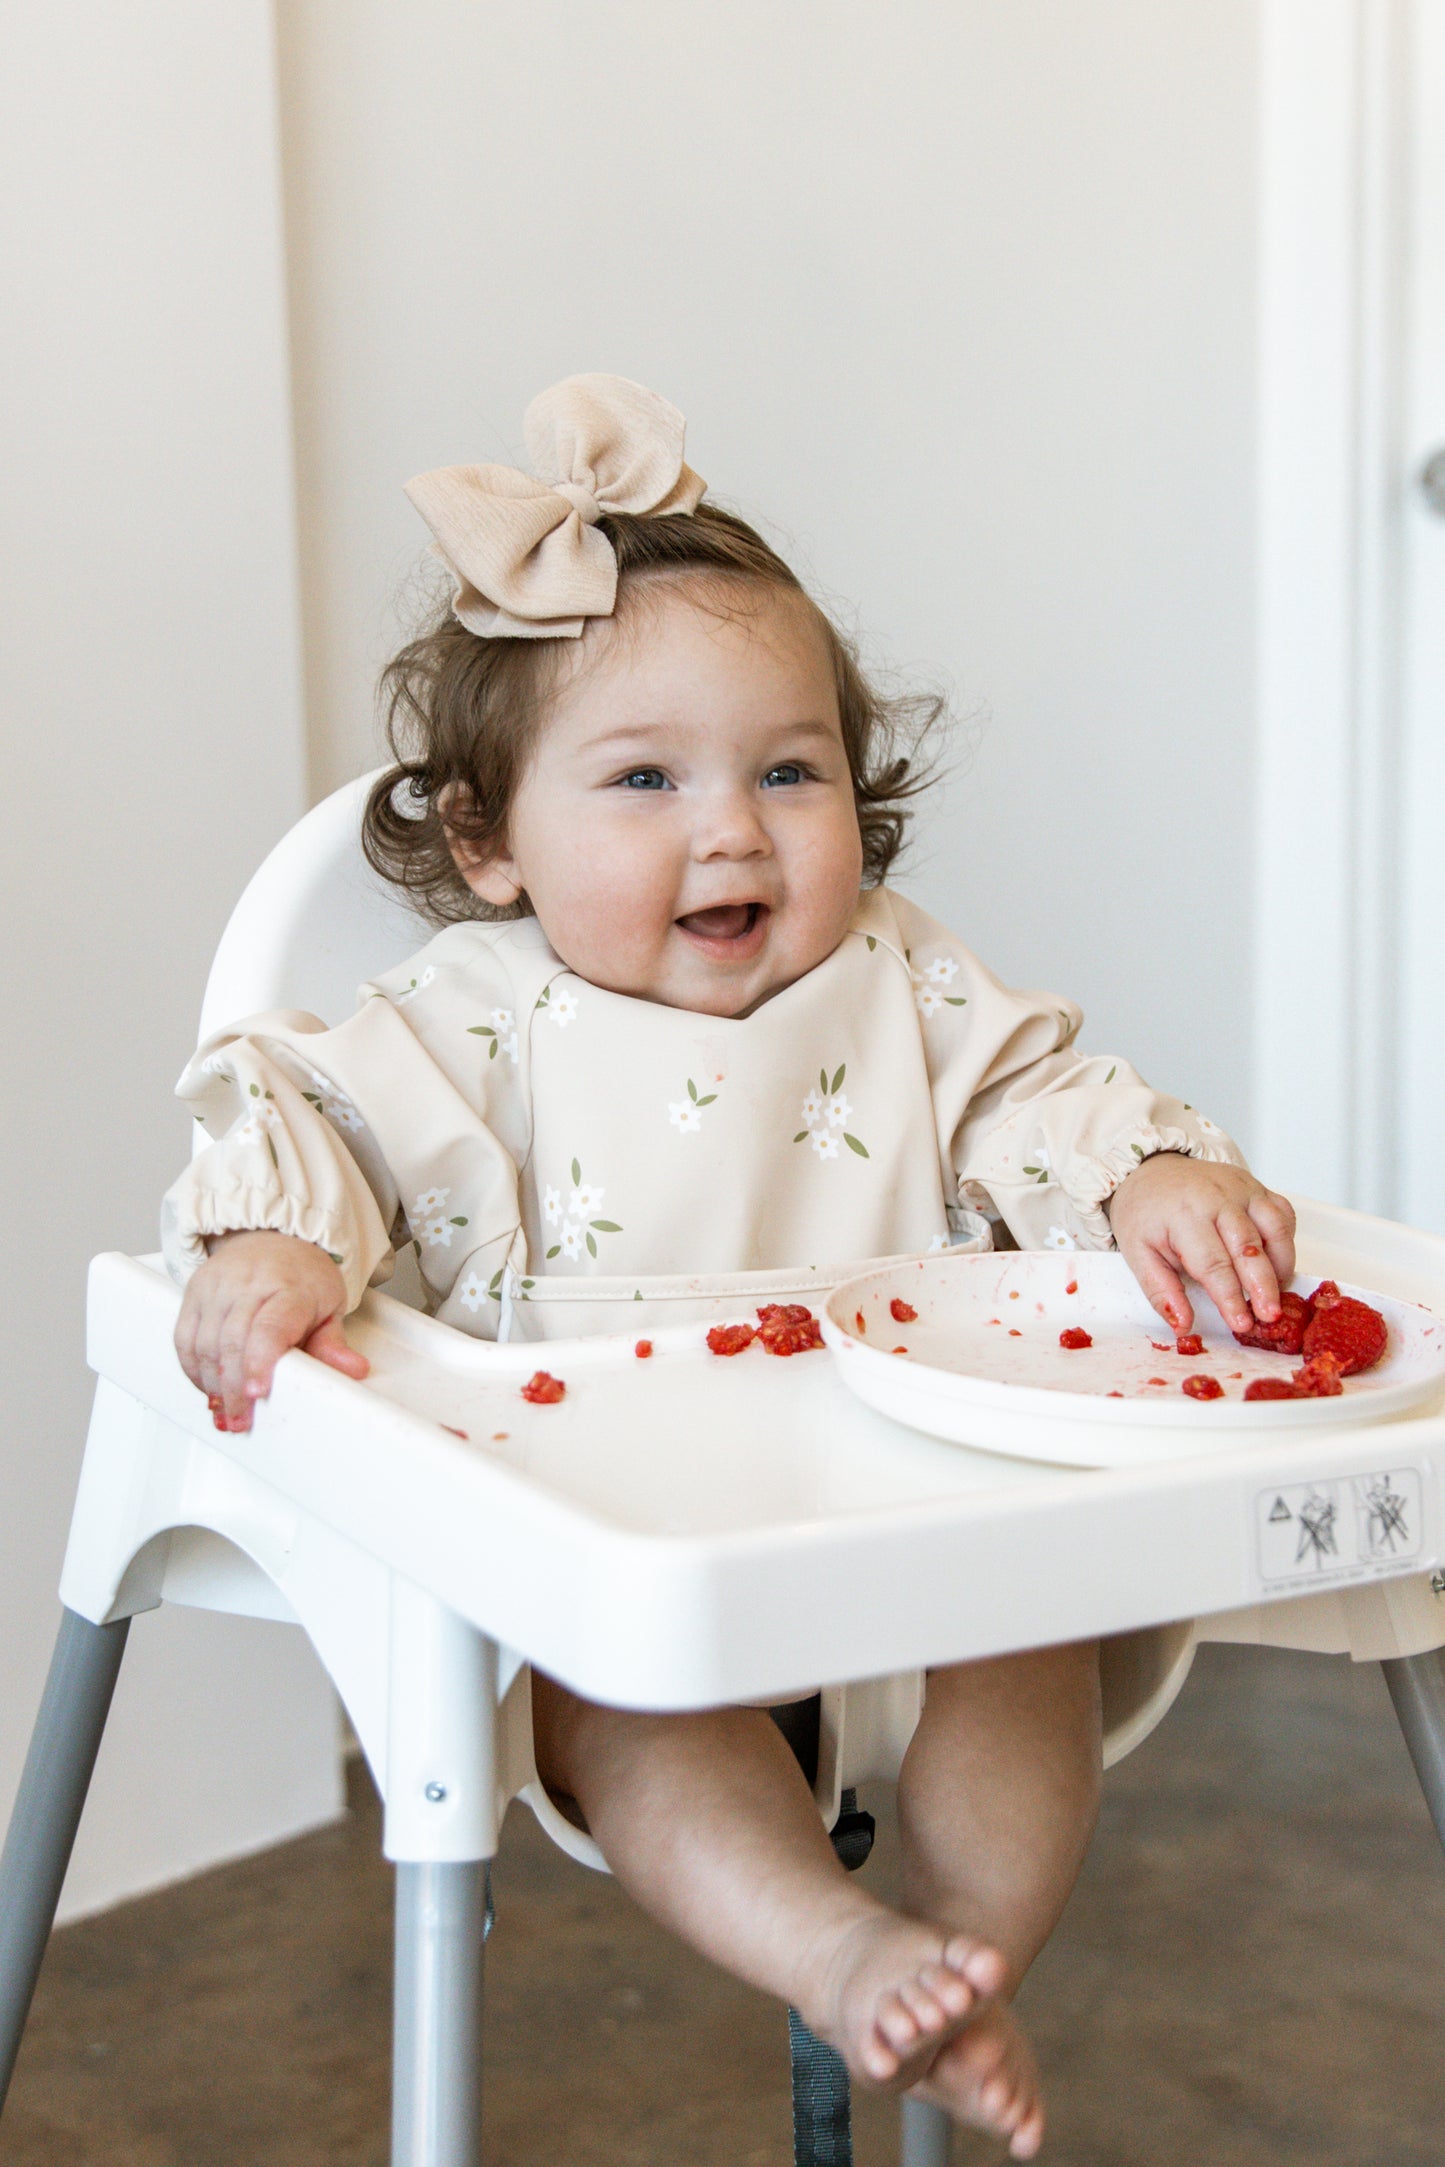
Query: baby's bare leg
x=707, y=1821
x=997, y=1800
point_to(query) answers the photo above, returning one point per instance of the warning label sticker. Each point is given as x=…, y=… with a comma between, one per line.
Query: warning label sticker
x=1349, y=1527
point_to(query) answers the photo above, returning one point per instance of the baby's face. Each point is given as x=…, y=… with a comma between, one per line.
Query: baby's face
x=686, y=831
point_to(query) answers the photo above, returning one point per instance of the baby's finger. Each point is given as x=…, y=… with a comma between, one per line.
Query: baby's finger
x=1162, y=1284
x=328, y=1344
x=279, y=1324
x=1242, y=1239
x=1274, y=1216
x=1205, y=1258
x=234, y=1361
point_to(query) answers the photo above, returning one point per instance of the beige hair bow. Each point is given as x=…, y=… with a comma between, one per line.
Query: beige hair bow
x=523, y=548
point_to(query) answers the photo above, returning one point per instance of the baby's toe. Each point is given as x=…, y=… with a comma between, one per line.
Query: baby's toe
x=983, y=1967
x=896, y=2024
x=954, y=1993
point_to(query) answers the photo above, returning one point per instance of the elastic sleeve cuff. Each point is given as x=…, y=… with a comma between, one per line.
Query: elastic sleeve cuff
x=1089, y=1183
x=186, y=1228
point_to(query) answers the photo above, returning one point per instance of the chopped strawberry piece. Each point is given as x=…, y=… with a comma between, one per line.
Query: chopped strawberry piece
x=1156, y=1380
x=1160, y=1346
x=1270, y=1388
x=902, y=1312
x=1189, y=1343
x=1286, y=1334
x=731, y=1338
x=452, y=1431
x=861, y=1322
x=1113, y=1395
x=900, y=1350
x=1352, y=1331
x=1014, y=1332
x=643, y=1349
x=543, y=1390
x=1073, y=1288
x=1320, y=1379
x=793, y=1330
x=1203, y=1388
x=1325, y=1296
x=1075, y=1336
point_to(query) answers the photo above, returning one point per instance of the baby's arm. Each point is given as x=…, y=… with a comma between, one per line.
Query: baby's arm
x=256, y=1296
x=1213, y=1221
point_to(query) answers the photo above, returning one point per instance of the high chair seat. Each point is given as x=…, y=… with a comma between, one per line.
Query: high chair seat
x=676, y=1534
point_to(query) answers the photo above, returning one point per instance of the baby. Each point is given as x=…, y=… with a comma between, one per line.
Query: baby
x=677, y=1026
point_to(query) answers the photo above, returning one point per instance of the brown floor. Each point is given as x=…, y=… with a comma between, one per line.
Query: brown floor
x=1251, y=1973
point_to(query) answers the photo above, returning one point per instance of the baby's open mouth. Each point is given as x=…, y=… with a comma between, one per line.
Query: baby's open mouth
x=724, y=922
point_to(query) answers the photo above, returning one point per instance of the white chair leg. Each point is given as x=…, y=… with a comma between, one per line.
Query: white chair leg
x=436, y=2100
x=48, y=1806
x=927, y=2136
x=1417, y=1687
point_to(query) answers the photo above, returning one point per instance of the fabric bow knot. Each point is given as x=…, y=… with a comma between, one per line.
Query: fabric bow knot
x=522, y=549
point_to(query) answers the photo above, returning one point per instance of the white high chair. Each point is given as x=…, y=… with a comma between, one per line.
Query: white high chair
x=797, y=1537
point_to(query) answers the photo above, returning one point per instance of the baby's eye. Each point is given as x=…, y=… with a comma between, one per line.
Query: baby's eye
x=643, y=778
x=786, y=771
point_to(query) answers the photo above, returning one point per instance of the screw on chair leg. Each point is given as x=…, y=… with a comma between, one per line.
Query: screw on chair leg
x=1417, y=1687
x=927, y=2136
x=443, y=1913
x=48, y=1805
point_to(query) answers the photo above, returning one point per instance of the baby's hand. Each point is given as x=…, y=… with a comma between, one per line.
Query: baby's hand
x=255, y=1297
x=1218, y=1224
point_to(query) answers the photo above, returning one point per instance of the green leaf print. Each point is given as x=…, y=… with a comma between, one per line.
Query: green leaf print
x=459, y=1222
x=822, y=1082
x=692, y=1090
x=801, y=1137
x=1112, y=1073
x=837, y=1083
x=576, y=1173
x=709, y=1100
x=591, y=1246
x=554, y=1251
x=872, y=944
x=956, y=1000
x=605, y=1226
x=854, y=1145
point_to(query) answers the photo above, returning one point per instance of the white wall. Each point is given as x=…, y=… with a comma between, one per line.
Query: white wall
x=152, y=745
x=958, y=297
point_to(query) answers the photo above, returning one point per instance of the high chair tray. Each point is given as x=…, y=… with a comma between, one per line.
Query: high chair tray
x=690, y=1530
x=976, y=1349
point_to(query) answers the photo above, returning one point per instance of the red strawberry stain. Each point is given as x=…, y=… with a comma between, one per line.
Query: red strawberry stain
x=1076, y=1336
x=902, y=1312
x=1203, y=1388
x=543, y=1389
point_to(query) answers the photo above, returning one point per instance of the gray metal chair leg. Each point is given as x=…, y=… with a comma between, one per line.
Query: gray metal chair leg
x=1417, y=1687
x=927, y=2135
x=436, y=2101
x=48, y=1805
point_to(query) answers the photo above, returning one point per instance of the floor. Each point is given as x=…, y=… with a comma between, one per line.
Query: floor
x=1251, y=1974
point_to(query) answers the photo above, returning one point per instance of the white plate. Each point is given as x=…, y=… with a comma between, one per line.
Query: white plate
x=982, y=1365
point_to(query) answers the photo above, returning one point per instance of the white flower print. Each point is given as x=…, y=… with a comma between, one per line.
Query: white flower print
x=500, y=1033
x=416, y=985
x=502, y=1019
x=580, y=1228
x=826, y=1114
x=472, y=1292
x=939, y=1241
x=260, y=1120
x=333, y=1103
x=686, y=1114
x=1039, y=1165
x=562, y=1008
x=1206, y=1126
x=928, y=981
x=1059, y=1238
x=430, y=1221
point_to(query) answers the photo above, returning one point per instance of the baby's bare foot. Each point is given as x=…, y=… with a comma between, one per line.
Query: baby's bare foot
x=894, y=1991
x=986, y=2075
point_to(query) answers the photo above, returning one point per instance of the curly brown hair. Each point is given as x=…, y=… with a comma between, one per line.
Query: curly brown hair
x=462, y=714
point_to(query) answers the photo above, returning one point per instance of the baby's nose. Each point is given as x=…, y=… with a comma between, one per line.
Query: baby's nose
x=731, y=828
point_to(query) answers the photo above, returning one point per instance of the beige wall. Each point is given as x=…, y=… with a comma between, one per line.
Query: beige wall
x=150, y=720
x=957, y=296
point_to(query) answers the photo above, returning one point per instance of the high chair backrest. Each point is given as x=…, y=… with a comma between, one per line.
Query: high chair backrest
x=314, y=921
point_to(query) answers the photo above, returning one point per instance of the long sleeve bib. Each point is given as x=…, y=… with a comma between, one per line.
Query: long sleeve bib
x=518, y=1124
